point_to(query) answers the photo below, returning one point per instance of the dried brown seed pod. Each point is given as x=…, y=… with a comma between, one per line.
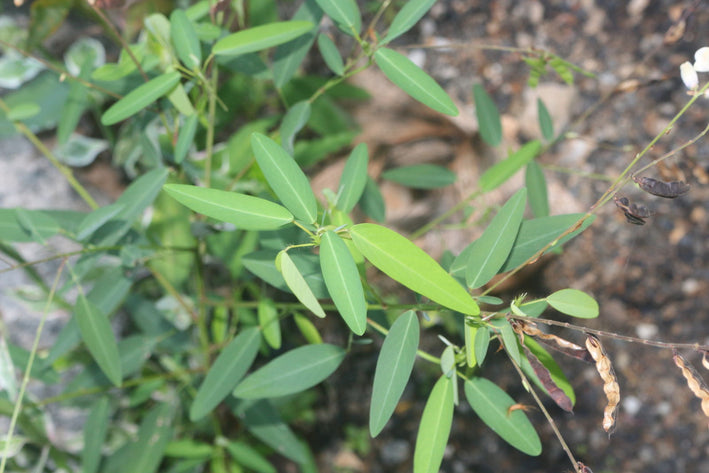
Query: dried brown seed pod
x=610, y=382
x=634, y=213
x=694, y=381
x=668, y=190
x=552, y=341
x=583, y=468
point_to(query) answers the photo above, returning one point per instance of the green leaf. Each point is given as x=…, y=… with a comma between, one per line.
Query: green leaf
x=225, y=373
x=290, y=55
x=545, y=122
x=145, y=454
x=185, y=137
x=435, y=427
x=509, y=338
x=403, y=261
x=134, y=200
x=188, y=448
x=500, y=172
x=330, y=54
x=259, y=38
x=140, y=98
x=447, y=361
x=285, y=178
x=37, y=223
x=244, y=211
x=95, y=430
x=343, y=12
x=296, y=283
x=307, y=329
x=535, y=234
x=292, y=372
x=372, y=202
x=184, y=38
x=394, y=365
x=470, y=332
x=490, y=251
x=574, y=302
x=488, y=116
x=11, y=229
x=249, y=457
x=421, y=176
x=562, y=68
x=414, y=81
x=492, y=405
x=98, y=336
x=537, y=187
x=23, y=111
x=264, y=422
x=262, y=264
x=294, y=121
x=268, y=320
x=94, y=220
x=353, y=179
x=342, y=280
x=481, y=342
x=407, y=17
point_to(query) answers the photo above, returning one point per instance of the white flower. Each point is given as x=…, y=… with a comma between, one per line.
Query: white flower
x=689, y=75
x=701, y=59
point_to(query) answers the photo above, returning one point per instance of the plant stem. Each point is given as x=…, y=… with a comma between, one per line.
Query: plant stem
x=65, y=170
x=28, y=369
x=210, y=128
x=603, y=333
x=548, y=416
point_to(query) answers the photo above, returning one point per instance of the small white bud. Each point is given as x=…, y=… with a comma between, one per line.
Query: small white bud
x=689, y=75
x=701, y=59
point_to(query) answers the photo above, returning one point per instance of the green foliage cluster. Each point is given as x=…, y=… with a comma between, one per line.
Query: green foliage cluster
x=220, y=286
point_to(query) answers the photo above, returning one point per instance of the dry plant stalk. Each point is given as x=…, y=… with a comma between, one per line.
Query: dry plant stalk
x=694, y=381
x=610, y=382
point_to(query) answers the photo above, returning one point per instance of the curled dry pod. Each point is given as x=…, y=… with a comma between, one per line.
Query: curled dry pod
x=694, y=381
x=552, y=341
x=610, y=382
x=668, y=190
x=634, y=213
x=583, y=468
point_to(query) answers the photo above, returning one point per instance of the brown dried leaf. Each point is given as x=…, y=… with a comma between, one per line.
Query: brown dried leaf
x=694, y=381
x=555, y=392
x=668, y=190
x=610, y=382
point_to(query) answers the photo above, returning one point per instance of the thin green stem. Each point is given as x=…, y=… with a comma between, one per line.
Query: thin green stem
x=548, y=416
x=617, y=183
x=209, y=151
x=63, y=73
x=114, y=32
x=28, y=369
x=671, y=153
x=65, y=170
x=459, y=206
